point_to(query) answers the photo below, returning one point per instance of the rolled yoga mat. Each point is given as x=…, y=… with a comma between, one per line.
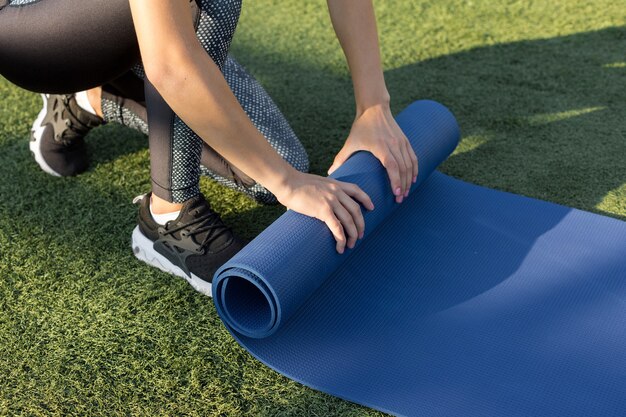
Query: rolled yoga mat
x=461, y=301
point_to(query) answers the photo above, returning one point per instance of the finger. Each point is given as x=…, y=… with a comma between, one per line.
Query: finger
x=357, y=193
x=336, y=229
x=390, y=164
x=398, y=148
x=355, y=211
x=412, y=156
x=399, y=155
x=414, y=161
x=349, y=226
x=401, y=172
x=409, y=167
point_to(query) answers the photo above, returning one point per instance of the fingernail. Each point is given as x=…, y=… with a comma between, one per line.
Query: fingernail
x=406, y=194
x=361, y=235
x=399, y=199
x=414, y=179
x=398, y=191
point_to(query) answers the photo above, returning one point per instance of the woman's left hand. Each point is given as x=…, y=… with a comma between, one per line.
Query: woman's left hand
x=375, y=130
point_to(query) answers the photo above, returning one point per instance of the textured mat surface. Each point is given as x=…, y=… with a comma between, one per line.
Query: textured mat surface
x=461, y=301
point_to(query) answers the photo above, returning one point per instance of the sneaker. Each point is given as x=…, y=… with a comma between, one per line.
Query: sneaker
x=58, y=135
x=193, y=246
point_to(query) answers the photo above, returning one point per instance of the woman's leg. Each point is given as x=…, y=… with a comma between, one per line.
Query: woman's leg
x=123, y=102
x=80, y=58
x=268, y=118
x=174, y=148
x=63, y=46
x=194, y=242
x=68, y=38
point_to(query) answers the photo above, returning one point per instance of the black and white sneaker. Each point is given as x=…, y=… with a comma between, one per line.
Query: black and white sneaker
x=58, y=135
x=193, y=246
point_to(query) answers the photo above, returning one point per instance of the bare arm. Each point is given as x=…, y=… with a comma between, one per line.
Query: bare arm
x=195, y=89
x=374, y=128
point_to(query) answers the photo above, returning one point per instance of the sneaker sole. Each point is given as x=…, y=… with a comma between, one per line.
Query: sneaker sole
x=36, y=134
x=143, y=248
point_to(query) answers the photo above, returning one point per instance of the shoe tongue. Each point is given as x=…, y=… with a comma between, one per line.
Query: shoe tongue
x=82, y=116
x=199, y=207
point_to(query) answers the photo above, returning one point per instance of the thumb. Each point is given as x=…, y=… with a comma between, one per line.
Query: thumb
x=341, y=157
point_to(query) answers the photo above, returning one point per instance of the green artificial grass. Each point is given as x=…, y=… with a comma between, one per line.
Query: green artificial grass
x=86, y=330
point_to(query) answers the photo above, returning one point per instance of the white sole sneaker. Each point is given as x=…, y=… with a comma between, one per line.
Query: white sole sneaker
x=36, y=135
x=143, y=248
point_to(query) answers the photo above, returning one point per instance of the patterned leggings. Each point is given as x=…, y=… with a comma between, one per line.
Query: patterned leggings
x=86, y=53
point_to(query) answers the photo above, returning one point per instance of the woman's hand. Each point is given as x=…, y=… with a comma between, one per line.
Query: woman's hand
x=375, y=130
x=334, y=202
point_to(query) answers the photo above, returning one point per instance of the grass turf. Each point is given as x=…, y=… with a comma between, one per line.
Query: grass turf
x=85, y=329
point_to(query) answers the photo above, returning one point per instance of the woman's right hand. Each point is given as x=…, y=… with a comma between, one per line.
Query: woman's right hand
x=334, y=202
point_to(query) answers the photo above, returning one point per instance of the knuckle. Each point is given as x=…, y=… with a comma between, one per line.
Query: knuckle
x=335, y=223
x=391, y=164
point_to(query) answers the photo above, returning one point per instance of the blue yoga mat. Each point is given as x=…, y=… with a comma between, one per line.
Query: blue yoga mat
x=461, y=301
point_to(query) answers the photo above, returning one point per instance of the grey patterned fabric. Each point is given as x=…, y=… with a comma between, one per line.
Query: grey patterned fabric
x=258, y=105
x=179, y=150
x=116, y=112
x=78, y=58
x=217, y=23
x=268, y=118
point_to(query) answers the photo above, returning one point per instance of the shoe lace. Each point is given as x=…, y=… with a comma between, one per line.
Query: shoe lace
x=209, y=223
x=73, y=128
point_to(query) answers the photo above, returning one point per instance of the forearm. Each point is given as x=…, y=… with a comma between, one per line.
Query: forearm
x=195, y=89
x=355, y=25
x=374, y=128
x=204, y=101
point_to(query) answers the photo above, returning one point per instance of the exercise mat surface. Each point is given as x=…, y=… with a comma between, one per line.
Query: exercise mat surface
x=461, y=301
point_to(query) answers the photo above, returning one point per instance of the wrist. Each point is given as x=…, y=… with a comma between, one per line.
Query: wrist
x=278, y=181
x=380, y=106
x=379, y=101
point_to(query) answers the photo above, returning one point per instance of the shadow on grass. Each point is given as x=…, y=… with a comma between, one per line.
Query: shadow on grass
x=542, y=118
